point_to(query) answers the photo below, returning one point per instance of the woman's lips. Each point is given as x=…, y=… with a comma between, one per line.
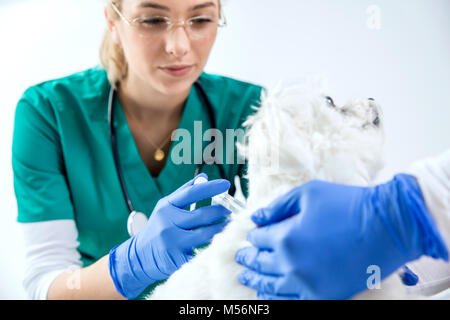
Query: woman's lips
x=177, y=71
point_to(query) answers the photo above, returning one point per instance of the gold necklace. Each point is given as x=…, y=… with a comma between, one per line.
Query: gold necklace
x=159, y=154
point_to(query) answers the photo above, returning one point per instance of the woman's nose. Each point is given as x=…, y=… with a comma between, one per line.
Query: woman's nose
x=178, y=42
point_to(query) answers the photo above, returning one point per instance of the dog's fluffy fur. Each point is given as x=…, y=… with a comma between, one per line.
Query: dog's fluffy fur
x=296, y=135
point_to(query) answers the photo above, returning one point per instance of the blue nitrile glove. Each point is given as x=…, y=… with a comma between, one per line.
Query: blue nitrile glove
x=408, y=277
x=318, y=240
x=169, y=237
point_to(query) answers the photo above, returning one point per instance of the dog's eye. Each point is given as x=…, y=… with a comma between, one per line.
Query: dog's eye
x=330, y=101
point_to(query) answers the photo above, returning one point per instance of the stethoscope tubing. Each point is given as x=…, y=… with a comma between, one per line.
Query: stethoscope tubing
x=113, y=138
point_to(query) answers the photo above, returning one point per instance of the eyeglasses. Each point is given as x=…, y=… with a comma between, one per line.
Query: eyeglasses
x=199, y=27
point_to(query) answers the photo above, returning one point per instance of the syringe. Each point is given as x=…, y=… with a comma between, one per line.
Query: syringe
x=224, y=199
x=229, y=202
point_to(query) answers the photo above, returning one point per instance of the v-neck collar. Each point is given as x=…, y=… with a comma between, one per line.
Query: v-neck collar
x=168, y=179
x=144, y=189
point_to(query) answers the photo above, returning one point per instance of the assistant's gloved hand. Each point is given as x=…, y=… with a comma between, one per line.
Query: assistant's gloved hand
x=169, y=237
x=327, y=235
x=408, y=277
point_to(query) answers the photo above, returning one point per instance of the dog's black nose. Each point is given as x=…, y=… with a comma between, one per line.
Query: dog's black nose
x=371, y=99
x=376, y=121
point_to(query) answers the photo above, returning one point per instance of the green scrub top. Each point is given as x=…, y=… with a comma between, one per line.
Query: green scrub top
x=63, y=161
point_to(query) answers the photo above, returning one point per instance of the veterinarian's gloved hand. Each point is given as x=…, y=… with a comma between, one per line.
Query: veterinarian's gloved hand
x=169, y=237
x=318, y=240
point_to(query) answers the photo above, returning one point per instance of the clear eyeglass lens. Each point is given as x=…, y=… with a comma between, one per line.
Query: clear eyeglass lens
x=197, y=27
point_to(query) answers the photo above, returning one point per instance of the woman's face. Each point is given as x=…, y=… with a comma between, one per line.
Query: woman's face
x=148, y=53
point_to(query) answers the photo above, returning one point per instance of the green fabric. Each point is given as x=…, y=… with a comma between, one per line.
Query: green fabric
x=63, y=163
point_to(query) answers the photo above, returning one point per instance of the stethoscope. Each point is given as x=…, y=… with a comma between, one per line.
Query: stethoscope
x=137, y=220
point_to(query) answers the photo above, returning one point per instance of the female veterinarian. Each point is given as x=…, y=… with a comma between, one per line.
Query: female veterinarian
x=92, y=155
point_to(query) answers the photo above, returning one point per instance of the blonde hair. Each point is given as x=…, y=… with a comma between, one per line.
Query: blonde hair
x=112, y=56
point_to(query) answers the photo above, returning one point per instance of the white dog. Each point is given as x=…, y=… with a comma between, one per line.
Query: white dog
x=296, y=135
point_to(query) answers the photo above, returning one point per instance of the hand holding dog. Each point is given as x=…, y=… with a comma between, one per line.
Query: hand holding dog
x=318, y=240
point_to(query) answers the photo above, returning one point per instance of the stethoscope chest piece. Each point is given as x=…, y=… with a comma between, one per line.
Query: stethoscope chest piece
x=136, y=222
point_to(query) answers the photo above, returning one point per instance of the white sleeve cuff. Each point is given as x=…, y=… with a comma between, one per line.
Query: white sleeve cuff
x=50, y=250
x=433, y=175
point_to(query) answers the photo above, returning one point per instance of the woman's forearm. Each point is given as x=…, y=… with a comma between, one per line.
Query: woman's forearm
x=93, y=282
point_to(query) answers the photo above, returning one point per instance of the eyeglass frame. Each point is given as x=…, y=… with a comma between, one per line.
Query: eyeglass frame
x=182, y=22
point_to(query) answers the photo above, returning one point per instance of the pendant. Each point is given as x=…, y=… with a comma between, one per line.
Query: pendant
x=159, y=155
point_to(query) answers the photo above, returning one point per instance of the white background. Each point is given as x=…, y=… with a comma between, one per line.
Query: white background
x=405, y=65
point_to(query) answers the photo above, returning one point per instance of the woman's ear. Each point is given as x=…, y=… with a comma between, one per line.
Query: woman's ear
x=111, y=27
